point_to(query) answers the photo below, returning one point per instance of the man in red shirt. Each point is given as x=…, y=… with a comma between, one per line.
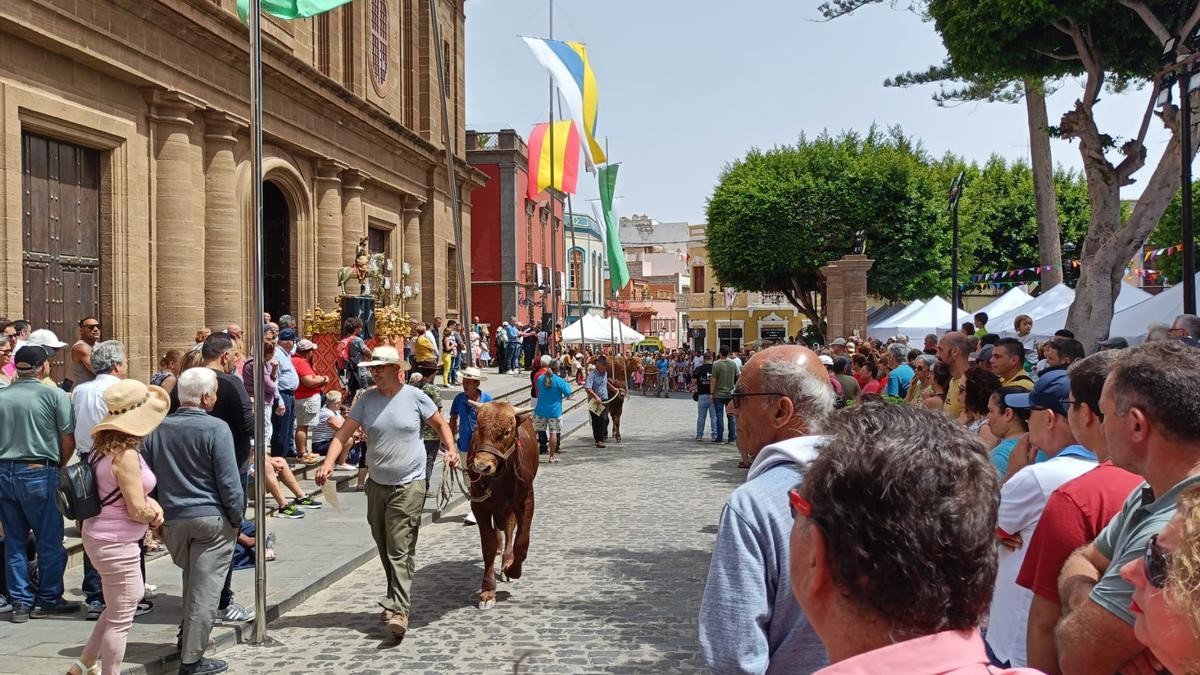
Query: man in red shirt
x=1075, y=513
x=308, y=398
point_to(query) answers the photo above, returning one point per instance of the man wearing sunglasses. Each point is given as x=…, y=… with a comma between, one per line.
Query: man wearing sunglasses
x=79, y=366
x=749, y=620
x=1151, y=408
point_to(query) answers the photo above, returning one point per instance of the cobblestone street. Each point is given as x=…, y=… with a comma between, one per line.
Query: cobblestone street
x=621, y=543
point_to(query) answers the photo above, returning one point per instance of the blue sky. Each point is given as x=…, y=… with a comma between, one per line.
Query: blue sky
x=686, y=86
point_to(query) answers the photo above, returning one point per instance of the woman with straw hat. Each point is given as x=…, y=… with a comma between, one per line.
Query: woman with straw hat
x=111, y=538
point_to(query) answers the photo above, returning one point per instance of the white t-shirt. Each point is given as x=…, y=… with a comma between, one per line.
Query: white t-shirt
x=395, y=450
x=1021, y=502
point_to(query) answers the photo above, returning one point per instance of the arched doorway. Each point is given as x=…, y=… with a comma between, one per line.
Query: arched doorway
x=277, y=259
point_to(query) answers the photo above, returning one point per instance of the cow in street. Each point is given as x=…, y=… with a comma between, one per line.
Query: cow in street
x=501, y=465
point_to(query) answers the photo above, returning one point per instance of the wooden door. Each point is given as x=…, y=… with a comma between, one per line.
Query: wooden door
x=61, y=236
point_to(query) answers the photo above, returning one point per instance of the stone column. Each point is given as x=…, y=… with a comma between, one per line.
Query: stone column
x=329, y=231
x=224, y=248
x=178, y=223
x=854, y=284
x=353, y=227
x=411, y=252
x=835, y=302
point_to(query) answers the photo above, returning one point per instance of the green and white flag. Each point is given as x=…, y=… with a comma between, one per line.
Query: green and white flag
x=289, y=9
x=618, y=272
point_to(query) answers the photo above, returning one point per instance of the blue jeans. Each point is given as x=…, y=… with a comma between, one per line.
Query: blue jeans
x=283, y=437
x=27, y=503
x=514, y=355
x=455, y=364
x=706, y=410
x=723, y=417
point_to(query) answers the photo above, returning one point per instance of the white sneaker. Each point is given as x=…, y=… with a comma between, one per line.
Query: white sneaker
x=149, y=591
x=346, y=467
x=470, y=519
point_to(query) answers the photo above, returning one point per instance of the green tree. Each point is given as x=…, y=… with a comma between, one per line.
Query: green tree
x=1169, y=232
x=777, y=216
x=1108, y=44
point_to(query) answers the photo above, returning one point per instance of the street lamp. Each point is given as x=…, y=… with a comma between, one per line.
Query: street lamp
x=956, y=187
x=1172, y=55
x=1068, y=249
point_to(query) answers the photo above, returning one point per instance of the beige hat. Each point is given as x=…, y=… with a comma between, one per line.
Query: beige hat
x=384, y=355
x=133, y=408
x=306, y=346
x=472, y=374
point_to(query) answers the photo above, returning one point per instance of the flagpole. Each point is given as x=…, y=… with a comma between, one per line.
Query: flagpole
x=455, y=206
x=550, y=191
x=256, y=325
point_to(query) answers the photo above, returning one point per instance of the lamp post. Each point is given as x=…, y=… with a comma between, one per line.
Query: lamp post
x=712, y=297
x=955, y=194
x=1068, y=249
x=1183, y=73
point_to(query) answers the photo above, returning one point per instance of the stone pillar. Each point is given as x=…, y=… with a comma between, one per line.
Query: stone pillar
x=411, y=253
x=854, y=283
x=353, y=227
x=329, y=231
x=224, y=248
x=178, y=223
x=835, y=302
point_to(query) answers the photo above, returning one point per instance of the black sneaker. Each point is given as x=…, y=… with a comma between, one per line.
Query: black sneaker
x=20, y=612
x=203, y=667
x=62, y=608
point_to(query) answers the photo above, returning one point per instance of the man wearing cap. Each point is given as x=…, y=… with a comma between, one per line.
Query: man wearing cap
x=1022, y=500
x=46, y=339
x=838, y=347
x=36, y=438
x=391, y=414
x=502, y=347
x=1114, y=343
x=547, y=412
x=283, y=443
x=308, y=397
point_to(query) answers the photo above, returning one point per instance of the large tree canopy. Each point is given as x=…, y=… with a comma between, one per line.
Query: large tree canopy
x=777, y=216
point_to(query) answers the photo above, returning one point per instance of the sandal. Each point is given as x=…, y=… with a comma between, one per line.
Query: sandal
x=84, y=670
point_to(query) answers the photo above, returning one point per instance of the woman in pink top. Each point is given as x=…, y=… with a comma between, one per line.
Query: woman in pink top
x=111, y=538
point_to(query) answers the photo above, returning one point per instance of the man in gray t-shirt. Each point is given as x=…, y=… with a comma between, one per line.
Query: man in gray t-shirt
x=391, y=415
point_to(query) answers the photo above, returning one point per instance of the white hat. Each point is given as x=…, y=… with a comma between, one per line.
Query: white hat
x=384, y=355
x=472, y=374
x=826, y=360
x=45, y=338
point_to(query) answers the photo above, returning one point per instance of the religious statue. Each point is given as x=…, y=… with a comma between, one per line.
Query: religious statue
x=860, y=242
x=359, y=270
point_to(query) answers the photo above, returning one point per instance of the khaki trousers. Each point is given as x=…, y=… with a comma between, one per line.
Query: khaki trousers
x=394, y=514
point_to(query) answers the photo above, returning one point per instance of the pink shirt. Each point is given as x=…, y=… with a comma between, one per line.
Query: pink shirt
x=945, y=652
x=113, y=523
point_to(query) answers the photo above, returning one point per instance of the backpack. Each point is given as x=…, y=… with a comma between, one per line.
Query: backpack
x=76, y=496
x=343, y=353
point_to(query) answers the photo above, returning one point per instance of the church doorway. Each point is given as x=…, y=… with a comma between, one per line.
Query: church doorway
x=277, y=249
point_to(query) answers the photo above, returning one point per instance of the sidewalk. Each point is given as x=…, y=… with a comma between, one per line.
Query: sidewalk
x=313, y=553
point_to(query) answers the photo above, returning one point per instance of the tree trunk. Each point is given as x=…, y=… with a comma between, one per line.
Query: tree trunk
x=1049, y=241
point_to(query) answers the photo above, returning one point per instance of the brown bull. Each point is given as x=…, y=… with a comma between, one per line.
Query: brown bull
x=501, y=465
x=619, y=370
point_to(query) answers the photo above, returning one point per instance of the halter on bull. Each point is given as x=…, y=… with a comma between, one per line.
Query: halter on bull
x=501, y=465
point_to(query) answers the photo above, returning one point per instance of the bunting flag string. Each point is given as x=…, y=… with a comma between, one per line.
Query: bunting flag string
x=1170, y=250
x=1008, y=274
x=984, y=281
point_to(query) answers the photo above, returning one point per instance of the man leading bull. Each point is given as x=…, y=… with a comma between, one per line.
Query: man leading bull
x=391, y=414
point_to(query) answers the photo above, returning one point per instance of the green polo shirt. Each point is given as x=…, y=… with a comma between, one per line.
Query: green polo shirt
x=33, y=418
x=1124, y=540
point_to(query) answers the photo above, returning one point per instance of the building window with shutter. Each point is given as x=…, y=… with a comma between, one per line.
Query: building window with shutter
x=379, y=42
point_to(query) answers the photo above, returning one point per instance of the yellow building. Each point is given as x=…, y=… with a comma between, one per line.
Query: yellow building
x=716, y=317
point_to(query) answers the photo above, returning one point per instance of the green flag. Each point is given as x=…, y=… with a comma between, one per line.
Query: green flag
x=289, y=9
x=618, y=272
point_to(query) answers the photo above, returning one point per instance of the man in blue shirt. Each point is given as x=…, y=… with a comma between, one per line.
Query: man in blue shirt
x=514, y=345
x=664, y=367
x=283, y=437
x=462, y=413
x=596, y=387
x=902, y=373
x=547, y=415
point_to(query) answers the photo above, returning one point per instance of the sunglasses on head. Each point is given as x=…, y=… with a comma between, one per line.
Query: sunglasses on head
x=1157, y=563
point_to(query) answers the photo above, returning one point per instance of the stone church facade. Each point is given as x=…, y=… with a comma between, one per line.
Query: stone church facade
x=126, y=163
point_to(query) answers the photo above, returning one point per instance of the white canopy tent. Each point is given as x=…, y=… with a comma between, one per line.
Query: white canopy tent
x=884, y=328
x=1056, y=299
x=1015, y=298
x=1129, y=297
x=598, y=330
x=1133, y=323
x=927, y=319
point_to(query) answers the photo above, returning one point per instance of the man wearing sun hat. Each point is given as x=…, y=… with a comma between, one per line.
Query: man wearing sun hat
x=463, y=416
x=36, y=438
x=391, y=414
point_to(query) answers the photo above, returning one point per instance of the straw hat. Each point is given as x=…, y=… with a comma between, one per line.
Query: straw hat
x=472, y=374
x=384, y=355
x=133, y=408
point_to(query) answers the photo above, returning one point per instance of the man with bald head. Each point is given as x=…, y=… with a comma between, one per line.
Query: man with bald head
x=749, y=620
x=954, y=350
